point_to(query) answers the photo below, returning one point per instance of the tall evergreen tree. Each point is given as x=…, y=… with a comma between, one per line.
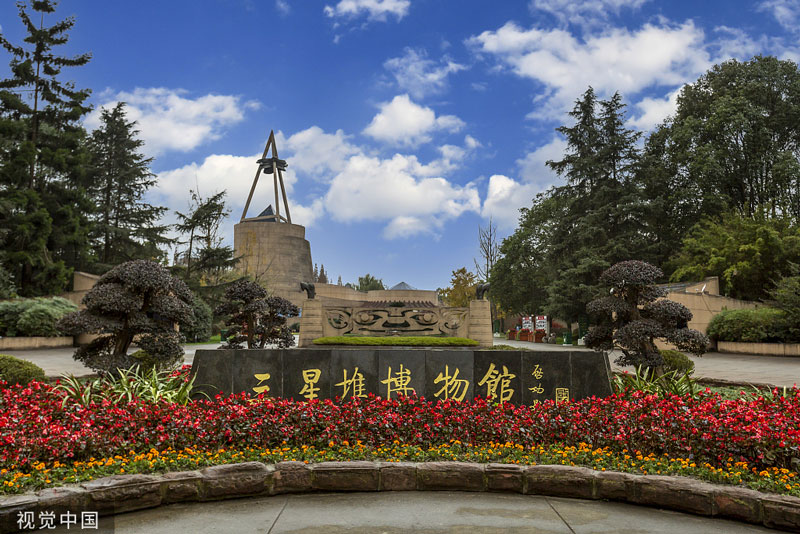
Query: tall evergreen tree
x=42, y=160
x=125, y=227
x=597, y=226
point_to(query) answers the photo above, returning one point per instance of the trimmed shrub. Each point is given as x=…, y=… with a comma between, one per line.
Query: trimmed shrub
x=631, y=318
x=762, y=325
x=254, y=318
x=144, y=359
x=137, y=299
x=33, y=317
x=10, y=310
x=677, y=361
x=16, y=371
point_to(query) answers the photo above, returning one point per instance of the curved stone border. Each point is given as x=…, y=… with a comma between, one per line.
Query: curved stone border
x=124, y=493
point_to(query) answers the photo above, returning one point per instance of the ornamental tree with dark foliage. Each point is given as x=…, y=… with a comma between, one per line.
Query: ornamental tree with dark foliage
x=137, y=299
x=255, y=318
x=634, y=315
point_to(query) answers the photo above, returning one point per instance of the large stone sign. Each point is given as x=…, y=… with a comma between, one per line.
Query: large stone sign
x=522, y=377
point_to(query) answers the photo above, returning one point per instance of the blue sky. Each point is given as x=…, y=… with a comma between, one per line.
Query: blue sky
x=406, y=123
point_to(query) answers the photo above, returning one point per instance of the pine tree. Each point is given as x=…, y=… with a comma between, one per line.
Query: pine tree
x=42, y=159
x=126, y=227
x=207, y=261
x=598, y=223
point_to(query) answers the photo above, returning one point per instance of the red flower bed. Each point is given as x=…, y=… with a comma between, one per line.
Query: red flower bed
x=34, y=427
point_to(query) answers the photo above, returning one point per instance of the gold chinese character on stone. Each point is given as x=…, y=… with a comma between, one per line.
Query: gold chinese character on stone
x=310, y=377
x=537, y=372
x=562, y=394
x=538, y=389
x=261, y=379
x=398, y=383
x=454, y=388
x=356, y=382
x=497, y=383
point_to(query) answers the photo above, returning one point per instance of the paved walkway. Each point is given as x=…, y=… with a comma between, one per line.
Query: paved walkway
x=422, y=512
x=744, y=368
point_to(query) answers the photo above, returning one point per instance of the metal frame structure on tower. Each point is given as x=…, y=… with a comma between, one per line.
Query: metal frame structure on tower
x=274, y=166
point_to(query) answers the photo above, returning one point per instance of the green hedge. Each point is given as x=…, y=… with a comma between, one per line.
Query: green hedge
x=16, y=371
x=762, y=325
x=677, y=361
x=33, y=317
x=421, y=341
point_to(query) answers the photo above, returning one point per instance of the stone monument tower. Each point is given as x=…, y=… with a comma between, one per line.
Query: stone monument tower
x=272, y=249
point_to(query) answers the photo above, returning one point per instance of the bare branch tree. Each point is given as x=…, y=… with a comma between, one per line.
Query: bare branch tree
x=489, y=249
x=490, y=253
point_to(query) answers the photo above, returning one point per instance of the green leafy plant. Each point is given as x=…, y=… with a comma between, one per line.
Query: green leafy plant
x=761, y=325
x=647, y=380
x=774, y=394
x=16, y=371
x=80, y=391
x=151, y=385
x=33, y=317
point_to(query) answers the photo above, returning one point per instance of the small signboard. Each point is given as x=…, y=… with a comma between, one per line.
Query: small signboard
x=527, y=322
x=541, y=323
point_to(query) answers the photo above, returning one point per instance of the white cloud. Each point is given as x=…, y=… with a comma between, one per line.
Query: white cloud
x=397, y=190
x=235, y=175
x=584, y=12
x=283, y=7
x=404, y=226
x=505, y=196
x=736, y=43
x=614, y=60
x=374, y=9
x=168, y=120
x=786, y=12
x=420, y=76
x=653, y=111
x=317, y=153
x=533, y=167
x=402, y=122
x=409, y=196
x=472, y=143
